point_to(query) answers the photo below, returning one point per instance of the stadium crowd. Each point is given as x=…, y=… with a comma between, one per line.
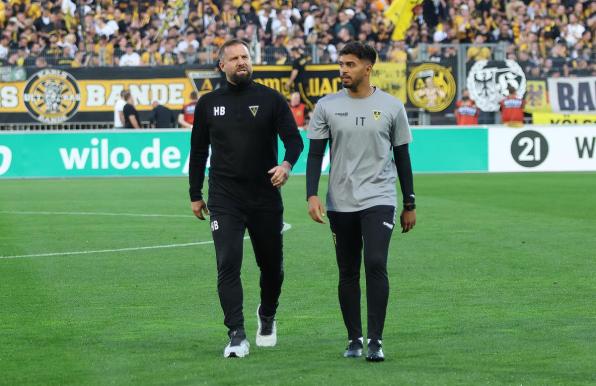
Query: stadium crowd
x=547, y=37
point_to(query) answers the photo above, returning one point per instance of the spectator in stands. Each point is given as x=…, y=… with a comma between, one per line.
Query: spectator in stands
x=503, y=34
x=53, y=52
x=131, y=115
x=344, y=18
x=449, y=53
x=119, y=109
x=547, y=69
x=120, y=48
x=524, y=61
x=40, y=62
x=187, y=116
x=69, y=40
x=152, y=57
x=209, y=17
x=280, y=25
x=190, y=56
x=297, y=79
x=344, y=36
x=308, y=17
x=435, y=12
x=440, y=34
x=190, y=39
x=247, y=14
x=34, y=53
x=4, y=46
x=209, y=52
x=130, y=58
x=299, y=111
x=277, y=52
x=104, y=51
x=66, y=57
x=573, y=31
x=78, y=60
x=433, y=52
x=105, y=27
x=559, y=56
x=534, y=73
x=466, y=111
x=512, y=108
x=161, y=116
x=44, y=24
x=168, y=55
x=478, y=51
x=582, y=68
x=398, y=52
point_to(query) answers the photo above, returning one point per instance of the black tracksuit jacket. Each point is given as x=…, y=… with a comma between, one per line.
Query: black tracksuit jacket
x=241, y=123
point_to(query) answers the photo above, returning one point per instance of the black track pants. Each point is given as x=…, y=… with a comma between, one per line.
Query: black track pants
x=228, y=225
x=371, y=230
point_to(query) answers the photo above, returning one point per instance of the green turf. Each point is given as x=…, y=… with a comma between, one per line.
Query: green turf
x=496, y=285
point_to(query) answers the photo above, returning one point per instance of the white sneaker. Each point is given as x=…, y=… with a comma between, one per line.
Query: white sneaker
x=354, y=348
x=375, y=351
x=238, y=347
x=266, y=330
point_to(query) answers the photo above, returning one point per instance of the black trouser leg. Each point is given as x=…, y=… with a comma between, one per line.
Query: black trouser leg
x=377, y=227
x=264, y=229
x=348, y=246
x=228, y=233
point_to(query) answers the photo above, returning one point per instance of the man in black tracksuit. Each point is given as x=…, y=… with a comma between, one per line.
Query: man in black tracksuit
x=298, y=81
x=241, y=122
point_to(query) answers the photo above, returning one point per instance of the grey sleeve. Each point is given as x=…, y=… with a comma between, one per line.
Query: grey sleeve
x=400, y=132
x=318, y=128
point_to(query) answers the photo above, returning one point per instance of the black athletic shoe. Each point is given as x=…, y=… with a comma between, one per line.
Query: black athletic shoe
x=238, y=347
x=375, y=351
x=354, y=349
x=266, y=330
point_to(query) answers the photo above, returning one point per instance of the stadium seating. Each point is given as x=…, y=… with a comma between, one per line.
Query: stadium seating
x=550, y=37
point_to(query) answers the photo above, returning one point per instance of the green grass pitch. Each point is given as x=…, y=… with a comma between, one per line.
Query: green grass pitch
x=496, y=285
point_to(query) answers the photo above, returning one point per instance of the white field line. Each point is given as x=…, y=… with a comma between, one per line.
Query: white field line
x=108, y=250
x=286, y=228
x=42, y=213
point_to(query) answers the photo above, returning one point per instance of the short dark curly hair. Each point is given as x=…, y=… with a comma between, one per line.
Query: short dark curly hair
x=360, y=50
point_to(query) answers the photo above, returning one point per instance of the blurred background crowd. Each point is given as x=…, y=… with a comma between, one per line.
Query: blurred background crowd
x=546, y=37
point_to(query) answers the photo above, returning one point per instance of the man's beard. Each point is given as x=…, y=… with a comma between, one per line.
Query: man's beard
x=241, y=80
x=353, y=86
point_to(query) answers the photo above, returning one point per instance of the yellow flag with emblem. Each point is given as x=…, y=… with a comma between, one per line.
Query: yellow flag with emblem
x=400, y=14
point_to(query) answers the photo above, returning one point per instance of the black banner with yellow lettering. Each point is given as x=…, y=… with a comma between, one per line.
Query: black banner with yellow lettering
x=56, y=95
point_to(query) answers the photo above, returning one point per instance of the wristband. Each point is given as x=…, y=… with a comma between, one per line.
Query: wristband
x=409, y=206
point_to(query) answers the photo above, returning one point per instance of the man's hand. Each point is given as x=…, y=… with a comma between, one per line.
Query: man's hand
x=316, y=209
x=407, y=220
x=280, y=174
x=199, y=208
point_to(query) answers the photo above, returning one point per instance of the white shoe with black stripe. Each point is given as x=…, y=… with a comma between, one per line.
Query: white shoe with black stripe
x=238, y=347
